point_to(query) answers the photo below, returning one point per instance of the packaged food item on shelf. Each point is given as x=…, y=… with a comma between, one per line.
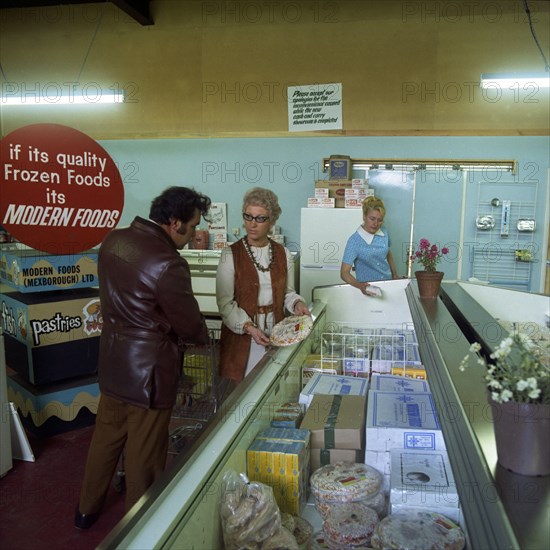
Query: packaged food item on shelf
x=279, y=457
x=291, y=330
x=283, y=538
x=378, y=502
x=330, y=384
x=336, y=421
x=314, y=363
x=350, y=525
x=288, y=415
x=418, y=530
x=423, y=480
x=248, y=511
x=303, y=531
x=346, y=482
x=396, y=383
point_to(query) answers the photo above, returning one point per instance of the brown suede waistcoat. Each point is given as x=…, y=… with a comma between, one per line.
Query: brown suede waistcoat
x=235, y=348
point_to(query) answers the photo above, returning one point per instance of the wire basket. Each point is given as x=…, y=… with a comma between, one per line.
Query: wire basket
x=359, y=349
x=198, y=391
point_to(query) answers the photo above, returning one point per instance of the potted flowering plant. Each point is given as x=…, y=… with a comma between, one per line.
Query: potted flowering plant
x=429, y=280
x=429, y=254
x=517, y=374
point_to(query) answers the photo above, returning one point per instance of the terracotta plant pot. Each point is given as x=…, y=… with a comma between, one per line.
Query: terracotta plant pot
x=429, y=283
x=522, y=437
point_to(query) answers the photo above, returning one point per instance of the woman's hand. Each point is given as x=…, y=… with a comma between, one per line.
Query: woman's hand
x=300, y=308
x=363, y=287
x=258, y=335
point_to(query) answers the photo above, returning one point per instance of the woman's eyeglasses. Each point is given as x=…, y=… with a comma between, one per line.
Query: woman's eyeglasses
x=257, y=219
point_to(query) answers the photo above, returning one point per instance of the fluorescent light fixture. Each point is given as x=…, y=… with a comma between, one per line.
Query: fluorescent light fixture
x=29, y=100
x=510, y=80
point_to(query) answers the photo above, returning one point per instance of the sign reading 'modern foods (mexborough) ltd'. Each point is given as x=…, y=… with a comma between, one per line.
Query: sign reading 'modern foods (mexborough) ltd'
x=60, y=191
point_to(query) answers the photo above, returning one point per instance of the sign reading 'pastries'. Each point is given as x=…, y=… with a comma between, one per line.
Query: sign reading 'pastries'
x=60, y=191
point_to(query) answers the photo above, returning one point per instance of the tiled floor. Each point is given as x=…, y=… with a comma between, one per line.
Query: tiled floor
x=38, y=499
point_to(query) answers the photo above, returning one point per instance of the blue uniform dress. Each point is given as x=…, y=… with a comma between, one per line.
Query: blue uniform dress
x=368, y=254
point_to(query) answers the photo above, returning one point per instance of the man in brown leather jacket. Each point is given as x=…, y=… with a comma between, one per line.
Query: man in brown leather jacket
x=149, y=312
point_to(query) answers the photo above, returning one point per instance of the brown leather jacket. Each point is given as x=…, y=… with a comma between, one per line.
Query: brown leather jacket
x=148, y=309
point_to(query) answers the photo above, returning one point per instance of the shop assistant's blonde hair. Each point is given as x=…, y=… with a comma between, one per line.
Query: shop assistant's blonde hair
x=260, y=196
x=374, y=203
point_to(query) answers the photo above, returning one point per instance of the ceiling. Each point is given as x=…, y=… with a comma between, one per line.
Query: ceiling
x=137, y=9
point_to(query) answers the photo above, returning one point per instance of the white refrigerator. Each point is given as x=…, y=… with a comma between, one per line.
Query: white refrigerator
x=324, y=233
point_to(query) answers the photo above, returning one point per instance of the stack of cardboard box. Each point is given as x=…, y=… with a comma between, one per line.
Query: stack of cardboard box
x=423, y=480
x=337, y=426
x=340, y=193
x=401, y=414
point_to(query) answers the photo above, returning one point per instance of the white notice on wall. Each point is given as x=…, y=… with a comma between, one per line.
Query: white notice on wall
x=315, y=107
x=217, y=224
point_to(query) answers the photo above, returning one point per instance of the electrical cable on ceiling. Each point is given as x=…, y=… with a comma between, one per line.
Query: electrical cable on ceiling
x=90, y=46
x=528, y=12
x=85, y=57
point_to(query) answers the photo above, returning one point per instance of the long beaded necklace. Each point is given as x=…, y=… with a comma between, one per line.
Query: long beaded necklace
x=259, y=267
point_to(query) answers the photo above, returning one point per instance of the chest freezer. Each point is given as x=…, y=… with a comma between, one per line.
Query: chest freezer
x=182, y=509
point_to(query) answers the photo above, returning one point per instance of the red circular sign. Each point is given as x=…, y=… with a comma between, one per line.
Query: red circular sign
x=60, y=191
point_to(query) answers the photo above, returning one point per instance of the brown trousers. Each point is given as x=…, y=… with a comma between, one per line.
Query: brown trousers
x=142, y=434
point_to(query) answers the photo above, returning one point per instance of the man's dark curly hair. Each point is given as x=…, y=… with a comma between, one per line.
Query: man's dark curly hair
x=178, y=203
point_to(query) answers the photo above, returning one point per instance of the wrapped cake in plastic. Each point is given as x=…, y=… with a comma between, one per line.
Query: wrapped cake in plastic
x=350, y=525
x=347, y=482
x=417, y=530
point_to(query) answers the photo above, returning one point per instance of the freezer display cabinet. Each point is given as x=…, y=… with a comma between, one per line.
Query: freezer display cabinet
x=500, y=510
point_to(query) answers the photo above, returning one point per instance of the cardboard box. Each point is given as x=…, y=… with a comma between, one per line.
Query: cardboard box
x=406, y=421
x=289, y=435
x=353, y=193
x=384, y=356
x=393, y=383
x=288, y=415
x=330, y=384
x=52, y=336
x=336, y=421
x=321, y=193
x=409, y=370
x=315, y=363
x=280, y=458
x=356, y=196
x=356, y=366
x=322, y=457
x=339, y=167
x=278, y=238
x=423, y=479
x=353, y=203
x=320, y=203
x=27, y=270
x=336, y=189
x=381, y=460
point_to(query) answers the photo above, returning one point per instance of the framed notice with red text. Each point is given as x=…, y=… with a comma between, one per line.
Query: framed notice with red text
x=60, y=191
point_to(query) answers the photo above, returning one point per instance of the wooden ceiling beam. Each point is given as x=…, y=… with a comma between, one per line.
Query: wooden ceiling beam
x=137, y=9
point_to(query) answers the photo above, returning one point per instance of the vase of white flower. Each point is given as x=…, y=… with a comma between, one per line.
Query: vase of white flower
x=522, y=436
x=518, y=384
